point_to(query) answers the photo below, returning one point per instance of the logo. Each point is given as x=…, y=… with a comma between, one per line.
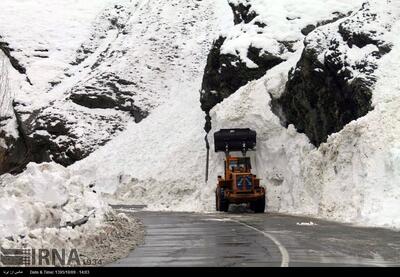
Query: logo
x=15, y=257
x=41, y=257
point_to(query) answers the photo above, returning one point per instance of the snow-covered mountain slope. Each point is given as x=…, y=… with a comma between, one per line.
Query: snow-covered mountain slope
x=141, y=67
x=87, y=87
x=171, y=175
x=160, y=161
x=42, y=38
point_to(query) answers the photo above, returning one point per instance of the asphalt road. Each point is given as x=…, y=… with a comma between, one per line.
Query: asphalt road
x=247, y=239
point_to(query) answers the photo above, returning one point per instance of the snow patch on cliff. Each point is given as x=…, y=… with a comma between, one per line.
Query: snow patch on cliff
x=283, y=22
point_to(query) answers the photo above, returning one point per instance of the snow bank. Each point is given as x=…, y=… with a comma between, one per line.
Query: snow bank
x=359, y=167
x=47, y=208
x=280, y=151
x=37, y=206
x=45, y=195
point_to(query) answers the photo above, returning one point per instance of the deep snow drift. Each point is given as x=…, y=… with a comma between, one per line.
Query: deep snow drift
x=46, y=196
x=48, y=208
x=160, y=161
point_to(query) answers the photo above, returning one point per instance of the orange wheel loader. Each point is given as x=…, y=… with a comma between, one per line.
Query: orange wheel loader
x=239, y=185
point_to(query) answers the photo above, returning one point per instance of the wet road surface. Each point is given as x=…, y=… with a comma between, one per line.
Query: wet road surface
x=246, y=239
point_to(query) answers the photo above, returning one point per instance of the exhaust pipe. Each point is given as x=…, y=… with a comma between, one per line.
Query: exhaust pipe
x=208, y=155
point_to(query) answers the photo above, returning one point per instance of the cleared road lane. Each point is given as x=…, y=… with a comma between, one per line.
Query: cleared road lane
x=246, y=239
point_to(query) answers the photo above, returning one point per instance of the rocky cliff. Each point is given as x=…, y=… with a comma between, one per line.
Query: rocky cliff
x=332, y=83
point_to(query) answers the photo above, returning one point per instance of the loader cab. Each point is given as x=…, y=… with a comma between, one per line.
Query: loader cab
x=236, y=165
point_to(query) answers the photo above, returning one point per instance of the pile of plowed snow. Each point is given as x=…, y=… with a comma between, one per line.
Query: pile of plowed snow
x=47, y=207
x=46, y=196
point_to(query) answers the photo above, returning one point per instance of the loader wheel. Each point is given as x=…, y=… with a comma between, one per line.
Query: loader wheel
x=258, y=206
x=221, y=203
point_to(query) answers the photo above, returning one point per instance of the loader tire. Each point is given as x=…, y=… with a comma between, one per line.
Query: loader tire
x=259, y=206
x=222, y=203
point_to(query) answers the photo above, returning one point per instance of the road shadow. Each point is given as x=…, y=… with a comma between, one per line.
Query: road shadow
x=239, y=209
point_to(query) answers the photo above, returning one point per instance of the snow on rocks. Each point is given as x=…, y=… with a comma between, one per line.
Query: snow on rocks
x=44, y=35
x=361, y=161
x=280, y=21
x=43, y=41
x=12, y=148
x=331, y=84
x=264, y=35
x=116, y=70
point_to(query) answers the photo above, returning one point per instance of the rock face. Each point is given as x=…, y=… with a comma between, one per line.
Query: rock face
x=7, y=51
x=107, y=72
x=260, y=39
x=242, y=13
x=226, y=73
x=12, y=147
x=12, y=154
x=108, y=92
x=332, y=83
x=88, y=113
x=52, y=137
x=311, y=27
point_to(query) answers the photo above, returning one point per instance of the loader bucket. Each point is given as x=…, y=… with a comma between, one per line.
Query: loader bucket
x=226, y=140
